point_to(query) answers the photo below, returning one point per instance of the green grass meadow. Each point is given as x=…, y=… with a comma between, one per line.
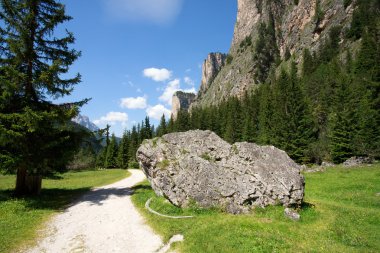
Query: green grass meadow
x=341, y=214
x=21, y=219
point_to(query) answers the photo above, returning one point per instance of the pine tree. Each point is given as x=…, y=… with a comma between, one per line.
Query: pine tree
x=266, y=52
x=133, y=144
x=308, y=65
x=161, y=129
x=35, y=135
x=293, y=128
x=122, y=157
x=340, y=137
x=183, y=121
x=101, y=158
x=287, y=54
x=265, y=114
x=147, y=128
x=111, y=157
x=170, y=128
x=248, y=128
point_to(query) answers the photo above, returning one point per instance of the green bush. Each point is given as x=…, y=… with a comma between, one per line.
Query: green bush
x=134, y=165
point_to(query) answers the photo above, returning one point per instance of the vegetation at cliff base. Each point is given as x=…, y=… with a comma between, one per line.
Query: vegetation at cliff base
x=341, y=214
x=20, y=219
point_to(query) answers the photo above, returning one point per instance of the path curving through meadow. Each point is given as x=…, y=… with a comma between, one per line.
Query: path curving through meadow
x=103, y=220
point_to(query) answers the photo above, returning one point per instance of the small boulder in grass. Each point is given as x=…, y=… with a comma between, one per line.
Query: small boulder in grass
x=292, y=214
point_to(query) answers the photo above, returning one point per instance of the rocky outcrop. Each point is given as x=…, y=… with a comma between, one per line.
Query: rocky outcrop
x=85, y=121
x=181, y=101
x=198, y=166
x=357, y=161
x=296, y=27
x=210, y=69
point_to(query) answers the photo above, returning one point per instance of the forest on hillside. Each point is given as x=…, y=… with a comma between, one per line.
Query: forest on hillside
x=325, y=108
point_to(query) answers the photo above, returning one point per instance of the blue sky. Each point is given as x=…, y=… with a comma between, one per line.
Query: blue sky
x=136, y=53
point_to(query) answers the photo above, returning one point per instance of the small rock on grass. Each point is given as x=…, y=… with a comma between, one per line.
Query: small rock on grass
x=292, y=214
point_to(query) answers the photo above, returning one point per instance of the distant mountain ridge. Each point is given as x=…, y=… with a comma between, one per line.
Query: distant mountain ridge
x=85, y=122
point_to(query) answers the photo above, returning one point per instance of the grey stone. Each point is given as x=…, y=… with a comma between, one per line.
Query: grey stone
x=357, y=161
x=198, y=166
x=327, y=164
x=313, y=169
x=292, y=214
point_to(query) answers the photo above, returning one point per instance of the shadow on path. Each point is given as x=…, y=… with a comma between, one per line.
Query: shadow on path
x=98, y=196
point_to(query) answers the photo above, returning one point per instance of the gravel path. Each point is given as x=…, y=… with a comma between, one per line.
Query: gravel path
x=103, y=220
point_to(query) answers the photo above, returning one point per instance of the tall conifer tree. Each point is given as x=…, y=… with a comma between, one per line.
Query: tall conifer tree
x=111, y=157
x=35, y=135
x=123, y=156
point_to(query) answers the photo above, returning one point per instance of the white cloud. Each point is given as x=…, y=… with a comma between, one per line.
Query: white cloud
x=172, y=87
x=152, y=11
x=188, y=70
x=157, y=111
x=192, y=90
x=133, y=103
x=113, y=118
x=189, y=81
x=158, y=75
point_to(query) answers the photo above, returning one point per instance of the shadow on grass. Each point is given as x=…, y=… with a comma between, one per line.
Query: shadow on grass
x=141, y=187
x=307, y=206
x=50, y=199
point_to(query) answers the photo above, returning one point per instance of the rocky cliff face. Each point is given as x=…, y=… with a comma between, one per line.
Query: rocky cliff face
x=181, y=101
x=85, y=121
x=295, y=27
x=210, y=69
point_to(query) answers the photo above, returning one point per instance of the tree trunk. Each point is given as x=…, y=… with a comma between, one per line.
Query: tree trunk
x=27, y=184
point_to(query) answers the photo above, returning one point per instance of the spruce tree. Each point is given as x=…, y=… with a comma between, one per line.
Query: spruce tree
x=248, y=128
x=265, y=114
x=122, y=157
x=111, y=157
x=293, y=128
x=148, y=126
x=35, y=136
x=161, y=129
x=183, y=121
x=133, y=145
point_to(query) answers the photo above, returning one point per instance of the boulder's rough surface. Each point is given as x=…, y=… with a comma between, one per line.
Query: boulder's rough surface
x=198, y=166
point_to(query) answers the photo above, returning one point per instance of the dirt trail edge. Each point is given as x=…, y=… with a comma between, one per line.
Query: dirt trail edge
x=103, y=220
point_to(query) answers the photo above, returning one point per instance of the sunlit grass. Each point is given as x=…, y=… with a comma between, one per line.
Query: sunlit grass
x=341, y=214
x=20, y=219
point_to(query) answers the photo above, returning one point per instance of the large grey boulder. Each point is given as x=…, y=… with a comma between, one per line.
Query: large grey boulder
x=198, y=166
